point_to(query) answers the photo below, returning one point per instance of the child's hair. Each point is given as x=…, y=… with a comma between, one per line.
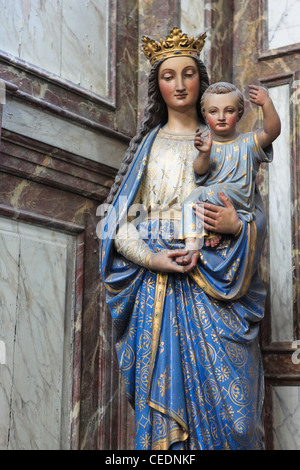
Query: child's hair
x=221, y=88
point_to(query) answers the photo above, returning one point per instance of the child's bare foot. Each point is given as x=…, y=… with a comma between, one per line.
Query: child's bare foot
x=213, y=240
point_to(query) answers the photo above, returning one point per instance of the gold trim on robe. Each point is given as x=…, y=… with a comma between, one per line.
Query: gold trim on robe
x=240, y=290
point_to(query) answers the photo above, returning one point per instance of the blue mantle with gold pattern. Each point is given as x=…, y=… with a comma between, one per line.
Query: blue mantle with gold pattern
x=187, y=344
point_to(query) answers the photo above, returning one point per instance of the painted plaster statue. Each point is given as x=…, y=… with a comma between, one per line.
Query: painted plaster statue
x=186, y=331
x=229, y=162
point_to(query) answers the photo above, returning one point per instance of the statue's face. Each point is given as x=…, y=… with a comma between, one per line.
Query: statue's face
x=221, y=113
x=179, y=83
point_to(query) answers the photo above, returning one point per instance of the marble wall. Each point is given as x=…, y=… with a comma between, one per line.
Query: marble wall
x=192, y=24
x=155, y=19
x=280, y=224
x=286, y=418
x=68, y=39
x=66, y=117
x=35, y=327
x=70, y=73
x=197, y=23
x=283, y=23
x=30, y=121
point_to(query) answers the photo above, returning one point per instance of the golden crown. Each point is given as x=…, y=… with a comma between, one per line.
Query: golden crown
x=176, y=43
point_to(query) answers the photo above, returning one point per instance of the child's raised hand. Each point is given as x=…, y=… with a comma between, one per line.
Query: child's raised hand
x=258, y=95
x=203, y=142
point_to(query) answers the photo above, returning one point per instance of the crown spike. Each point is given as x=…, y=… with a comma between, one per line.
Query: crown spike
x=176, y=43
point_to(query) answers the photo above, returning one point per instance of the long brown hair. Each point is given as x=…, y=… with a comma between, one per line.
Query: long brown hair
x=155, y=113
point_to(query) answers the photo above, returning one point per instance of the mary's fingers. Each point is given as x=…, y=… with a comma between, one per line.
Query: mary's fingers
x=174, y=253
x=178, y=268
x=192, y=263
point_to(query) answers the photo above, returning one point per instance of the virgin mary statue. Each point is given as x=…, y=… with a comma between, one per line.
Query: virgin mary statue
x=186, y=334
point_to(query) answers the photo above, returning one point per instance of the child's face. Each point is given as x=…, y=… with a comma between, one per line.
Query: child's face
x=222, y=114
